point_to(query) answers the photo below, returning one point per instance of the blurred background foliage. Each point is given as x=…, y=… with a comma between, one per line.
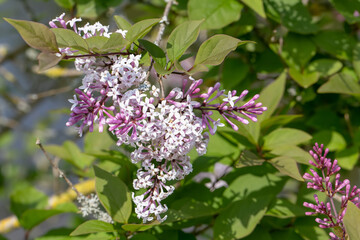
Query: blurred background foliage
x=316, y=42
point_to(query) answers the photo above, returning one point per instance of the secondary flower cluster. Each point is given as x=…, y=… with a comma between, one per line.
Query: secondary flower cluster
x=328, y=168
x=90, y=205
x=161, y=129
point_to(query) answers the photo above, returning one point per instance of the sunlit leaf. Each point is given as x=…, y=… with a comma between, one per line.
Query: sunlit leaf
x=68, y=38
x=93, y=226
x=341, y=83
x=287, y=166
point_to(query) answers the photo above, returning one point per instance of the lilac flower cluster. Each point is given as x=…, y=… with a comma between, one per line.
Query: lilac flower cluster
x=323, y=183
x=161, y=129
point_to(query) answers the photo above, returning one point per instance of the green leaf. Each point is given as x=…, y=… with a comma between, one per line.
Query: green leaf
x=122, y=23
x=304, y=79
x=325, y=67
x=271, y=95
x=351, y=221
x=36, y=35
x=93, y=226
x=248, y=158
x=96, y=43
x=140, y=29
x=47, y=60
x=292, y=14
x=68, y=38
x=294, y=152
x=348, y=158
x=217, y=13
x=71, y=153
x=90, y=8
x=113, y=194
x=234, y=71
x=116, y=42
x=240, y=218
x=27, y=198
x=214, y=50
x=356, y=59
x=287, y=166
x=332, y=140
x=278, y=121
x=97, y=143
x=144, y=236
x=132, y=227
x=285, y=136
x=336, y=43
x=283, y=208
x=257, y=6
x=181, y=38
x=68, y=4
x=155, y=52
x=347, y=9
x=341, y=83
x=34, y=217
x=297, y=50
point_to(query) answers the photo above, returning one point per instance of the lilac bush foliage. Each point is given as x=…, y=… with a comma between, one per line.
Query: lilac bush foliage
x=162, y=129
x=332, y=189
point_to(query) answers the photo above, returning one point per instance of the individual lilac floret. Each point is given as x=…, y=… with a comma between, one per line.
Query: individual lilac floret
x=328, y=168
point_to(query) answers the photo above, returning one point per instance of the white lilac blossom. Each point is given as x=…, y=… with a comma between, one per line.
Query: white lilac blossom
x=334, y=218
x=161, y=129
x=90, y=206
x=220, y=170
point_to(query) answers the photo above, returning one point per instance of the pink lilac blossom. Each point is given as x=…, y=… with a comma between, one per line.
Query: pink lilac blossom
x=161, y=129
x=322, y=183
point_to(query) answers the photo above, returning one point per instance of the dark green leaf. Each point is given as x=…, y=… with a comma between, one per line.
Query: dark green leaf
x=122, y=23
x=341, y=83
x=140, y=29
x=234, y=71
x=325, y=67
x=139, y=227
x=68, y=4
x=283, y=208
x=351, y=221
x=27, y=198
x=287, y=166
x=181, y=39
x=332, y=140
x=336, y=43
x=155, y=52
x=93, y=226
x=240, y=218
x=47, y=60
x=113, y=194
x=356, y=59
x=143, y=236
x=34, y=217
x=292, y=14
x=285, y=136
x=347, y=9
x=36, y=35
x=217, y=13
x=68, y=38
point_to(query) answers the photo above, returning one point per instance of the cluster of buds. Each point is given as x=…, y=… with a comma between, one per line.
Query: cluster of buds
x=328, y=168
x=161, y=129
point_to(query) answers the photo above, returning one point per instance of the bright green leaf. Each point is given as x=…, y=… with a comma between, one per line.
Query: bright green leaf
x=214, y=50
x=47, y=60
x=283, y=208
x=97, y=143
x=27, y=198
x=287, y=166
x=294, y=152
x=217, y=13
x=257, y=6
x=332, y=140
x=34, y=217
x=240, y=218
x=285, y=136
x=348, y=158
x=181, y=38
x=68, y=38
x=113, y=194
x=139, y=227
x=351, y=221
x=341, y=83
x=93, y=226
x=304, y=79
x=325, y=66
x=356, y=59
x=140, y=29
x=116, y=42
x=36, y=35
x=122, y=23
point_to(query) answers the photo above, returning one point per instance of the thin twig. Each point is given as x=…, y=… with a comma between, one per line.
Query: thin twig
x=61, y=173
x=163, y=22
